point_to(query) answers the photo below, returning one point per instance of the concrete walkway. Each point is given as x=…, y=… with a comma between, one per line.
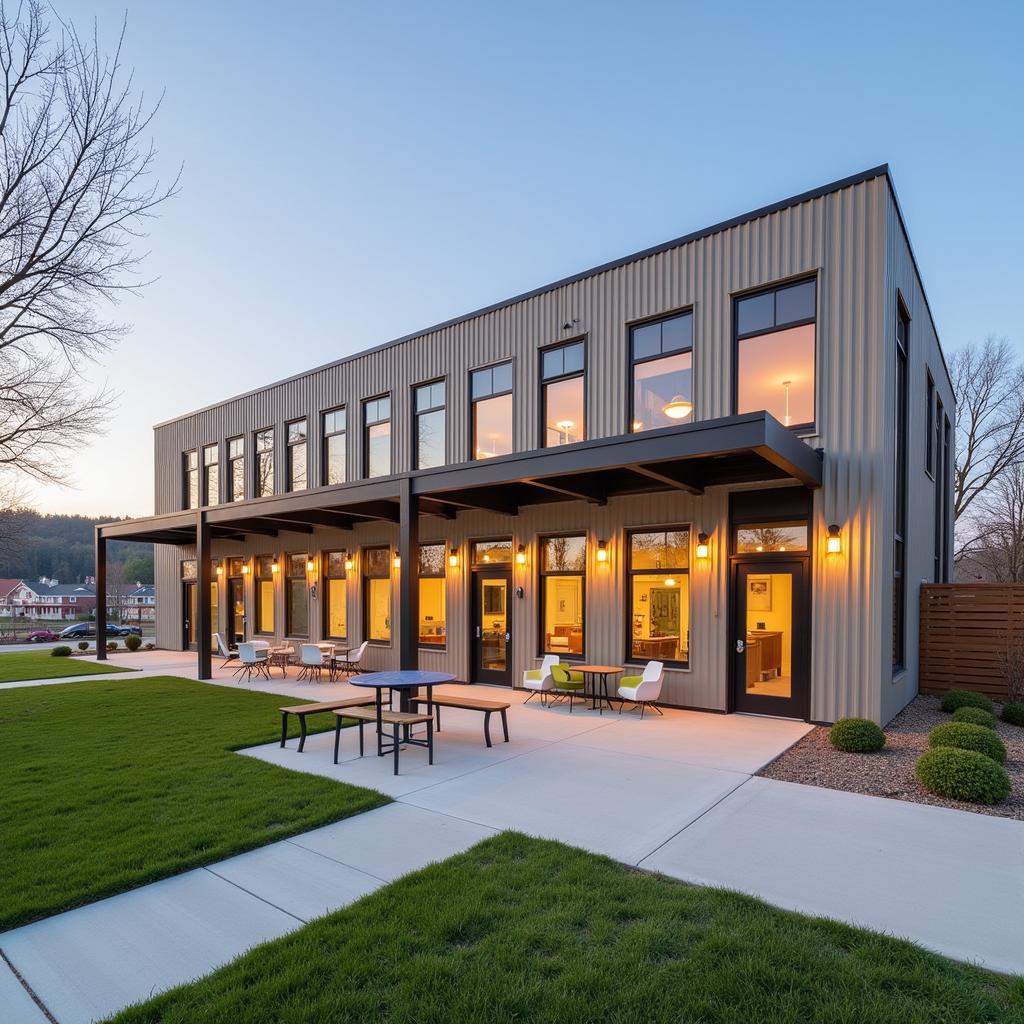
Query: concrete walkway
x=675, y=795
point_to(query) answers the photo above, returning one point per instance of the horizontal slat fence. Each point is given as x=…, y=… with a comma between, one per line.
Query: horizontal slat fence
x=964, y=628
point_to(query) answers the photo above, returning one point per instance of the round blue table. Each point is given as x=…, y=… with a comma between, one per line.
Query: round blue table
x=406, y=682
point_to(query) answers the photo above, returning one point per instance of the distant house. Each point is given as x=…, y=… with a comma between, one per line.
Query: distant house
x=48, y=599
x=139, y=604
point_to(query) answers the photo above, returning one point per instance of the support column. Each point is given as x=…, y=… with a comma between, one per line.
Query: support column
x=101, y=597
x=204, y=624
x=409, y=577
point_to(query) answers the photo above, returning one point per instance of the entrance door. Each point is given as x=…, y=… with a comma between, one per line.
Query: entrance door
x=770, y=639
x=492, y=627
x=190, y=621
x=236, y=610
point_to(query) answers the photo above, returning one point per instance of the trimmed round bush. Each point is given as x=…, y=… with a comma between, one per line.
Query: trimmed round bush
x=112, y=645
x=953, y=699
x=975, y=716
x=856, y=736
x=964, y=736
x=963, y=775
x=61, y=651
x=83, y=645
x=1013, y=712
x=133, y=642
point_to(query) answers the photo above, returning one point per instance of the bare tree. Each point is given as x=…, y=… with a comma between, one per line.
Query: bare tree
x=14, y=518
x=75, y=191
x=997, y=521
x=988, y=382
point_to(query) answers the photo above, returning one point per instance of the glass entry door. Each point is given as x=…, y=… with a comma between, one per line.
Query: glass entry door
x=769, y=641
x=189, y=622
x=236, y=610
x=491, y=630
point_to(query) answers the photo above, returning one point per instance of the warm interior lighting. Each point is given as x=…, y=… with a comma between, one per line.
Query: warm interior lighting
x=349, y=564
x=637, y=425
x=678, y=409
x=397, y=561
x=602, y=551
x=834, y=544
x=703, y=550
x=520, y=555
x=453, y=558
x=274, y=567
x=670, y=582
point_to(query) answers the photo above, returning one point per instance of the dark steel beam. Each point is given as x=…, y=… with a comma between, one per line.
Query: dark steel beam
x=571, y=487
x=488, y=501
x=101, y=596
x=387, y=511
x=679, y=479
x=204, y=623
x=408, y=580
x=320, y=517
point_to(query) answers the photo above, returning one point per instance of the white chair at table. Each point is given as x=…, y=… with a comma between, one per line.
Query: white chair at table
x=539, y=679
x=253, y=659
x=644, y=689
x=350, y=665
x=223, y=651
x=312, y=659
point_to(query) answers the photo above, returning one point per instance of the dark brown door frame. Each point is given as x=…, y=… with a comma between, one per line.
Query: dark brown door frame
x=190, y=612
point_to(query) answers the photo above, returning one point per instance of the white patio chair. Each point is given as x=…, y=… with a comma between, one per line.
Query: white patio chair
x=350, y=666
x=223, y=651
x=312, y=660
x=644, y=689
x=253, y=660
x=539, y=679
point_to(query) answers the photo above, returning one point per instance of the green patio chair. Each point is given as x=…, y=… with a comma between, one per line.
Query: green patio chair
x=567, y=684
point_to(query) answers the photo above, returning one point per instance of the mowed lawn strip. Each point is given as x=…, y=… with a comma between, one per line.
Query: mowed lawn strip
x=111, y=784
x=16, y=666
x=521, y=929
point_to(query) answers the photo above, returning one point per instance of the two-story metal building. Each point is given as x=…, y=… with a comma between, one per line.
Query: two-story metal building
x=730, y=453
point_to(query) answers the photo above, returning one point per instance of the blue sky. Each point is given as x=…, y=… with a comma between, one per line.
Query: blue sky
x=353, y=172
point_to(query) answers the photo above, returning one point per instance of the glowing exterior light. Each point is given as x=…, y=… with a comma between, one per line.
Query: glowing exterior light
x=834, y=544
x=520, y=555
x=703, y=550
x=453, y=558
x=602, y=551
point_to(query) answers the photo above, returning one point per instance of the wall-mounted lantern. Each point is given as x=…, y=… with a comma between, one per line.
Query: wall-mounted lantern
x=397, y=561
x=220, y=570
x=245, y=568
x=834, y=544
x=349, y=563
x=274, y=567
x=703, y=548
x=521, y=555
x=602, y=551
x=453, y=558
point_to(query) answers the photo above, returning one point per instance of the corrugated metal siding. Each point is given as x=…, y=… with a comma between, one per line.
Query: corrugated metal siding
x=844, y=237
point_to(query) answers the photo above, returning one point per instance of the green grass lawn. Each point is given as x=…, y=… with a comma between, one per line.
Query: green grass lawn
x=18, y=665
x=107, y=785
x=521, y=929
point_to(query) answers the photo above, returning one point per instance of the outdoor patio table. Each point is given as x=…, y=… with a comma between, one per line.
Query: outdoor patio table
x=406, y=682
x=595, y=674
x=280, y=657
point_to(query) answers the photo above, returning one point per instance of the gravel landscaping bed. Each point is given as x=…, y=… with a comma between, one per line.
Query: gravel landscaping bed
x=813, y=761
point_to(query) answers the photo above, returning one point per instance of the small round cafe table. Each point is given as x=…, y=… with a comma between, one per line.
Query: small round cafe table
x=595, y=674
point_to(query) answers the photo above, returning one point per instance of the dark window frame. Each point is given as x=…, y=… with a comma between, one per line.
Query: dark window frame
x=259, y=577
x=325, y=437
x=289, y=459
x=900, y=491
x=811, y=427
x=187, y=472
x=289, y=577
x=256, y=453
x=483, y=398
x=542, y=574
x=389, y=420
x=947, y=496
x=543, y=383
x=491, y=539
x=326, y=575
x=442, y=575
x=231, y=460
x=365, y=576
x=205, y=497
x=417, y=413
x=629, y=572
x=930, y=465
x=632, y=362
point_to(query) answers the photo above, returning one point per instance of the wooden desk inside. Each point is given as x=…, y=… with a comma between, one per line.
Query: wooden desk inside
x=764, y=655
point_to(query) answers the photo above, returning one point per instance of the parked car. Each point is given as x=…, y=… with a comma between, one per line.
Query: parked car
x=41, y=636
x=131, y=631
x=79, y=631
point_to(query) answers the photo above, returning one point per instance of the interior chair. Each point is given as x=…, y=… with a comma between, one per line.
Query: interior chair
x=253, y=661
x=567, y=684
x=311, y=658
x=223, y=650
x=643, y=690
x=538, y=680
x=350, y=666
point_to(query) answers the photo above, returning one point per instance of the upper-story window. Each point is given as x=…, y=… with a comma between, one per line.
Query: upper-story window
x=297, y=450
x=211, y=474
x=190, y=481
x=662, y=355
x=236, y=469
x=429, y=404
x=564, y=398
x=377, y=448
x=929, y=434
x=774, y=353
x=263, y=483
x=899, y=529
x=491, y=398
x=335, y=426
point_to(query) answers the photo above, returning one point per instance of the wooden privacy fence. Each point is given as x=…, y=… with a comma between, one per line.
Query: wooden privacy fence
x=964, y=629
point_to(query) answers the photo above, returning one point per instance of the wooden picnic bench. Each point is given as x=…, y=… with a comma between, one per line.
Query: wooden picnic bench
x=486, y=707
x=301, y=710
x=398, y=720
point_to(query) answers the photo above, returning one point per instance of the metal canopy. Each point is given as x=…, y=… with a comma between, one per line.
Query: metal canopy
x=750, y=448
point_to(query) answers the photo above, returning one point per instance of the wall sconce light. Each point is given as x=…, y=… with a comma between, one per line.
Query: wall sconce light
x=453, y=558
x=349, y=564
x=834, y=544
x=274, y=567
x=602, y=551
x=220, y=570
x=703, y=549
x=310, y=566
x=245, y=568
x=397, y=561
x=521, y=555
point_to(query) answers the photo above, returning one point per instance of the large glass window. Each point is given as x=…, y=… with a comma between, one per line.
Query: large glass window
x=377, y=451
x=899, y=535
x=564, y=401
x=492, y=552
x=335, y=427
x=662, y=354
x=236, y=469
x=296, y=597
x=432, y=596
x=563, y=570
x=335, y=596
x=377, y=594
x=775, y=333
x=211, y=474
x=265, y=566
x=929, y=436
x=658, y=574
x=491, y=398
x=190, y=479
x=297, y=456
x=771, y=537
x=263, y=484
x=940, y=490
x=429, y=402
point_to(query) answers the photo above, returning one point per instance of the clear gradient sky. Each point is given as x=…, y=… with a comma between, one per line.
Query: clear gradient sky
x=472, y=151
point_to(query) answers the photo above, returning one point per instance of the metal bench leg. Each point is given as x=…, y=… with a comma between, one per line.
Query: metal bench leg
x=302, y=732
x=487, y=727
x=394, y=733
x=337, y=739
x=361, y=723
x=504, y=724
x=437, y=711
x=284, y=728
x=430, y=742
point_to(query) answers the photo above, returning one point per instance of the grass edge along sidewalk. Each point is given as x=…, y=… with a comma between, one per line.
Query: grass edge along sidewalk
x=111, y=784
x=25, y=666
x=532, y=930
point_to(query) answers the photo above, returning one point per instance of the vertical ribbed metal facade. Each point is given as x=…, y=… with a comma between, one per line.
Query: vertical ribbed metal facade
x=851, y=239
